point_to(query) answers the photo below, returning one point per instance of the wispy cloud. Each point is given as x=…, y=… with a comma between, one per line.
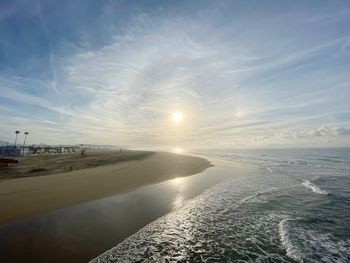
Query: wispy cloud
x=324, y=130
x=262, y=81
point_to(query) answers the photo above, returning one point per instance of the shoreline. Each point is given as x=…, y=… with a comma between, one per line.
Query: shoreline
x=30, y=196
x=84, y=231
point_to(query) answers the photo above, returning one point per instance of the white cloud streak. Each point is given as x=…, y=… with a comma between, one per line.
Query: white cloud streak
x=233, y=88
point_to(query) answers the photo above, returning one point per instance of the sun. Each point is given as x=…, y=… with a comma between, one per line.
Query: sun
x=177, y=117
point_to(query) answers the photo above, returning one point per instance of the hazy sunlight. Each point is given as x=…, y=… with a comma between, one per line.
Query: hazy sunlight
x=177, y=117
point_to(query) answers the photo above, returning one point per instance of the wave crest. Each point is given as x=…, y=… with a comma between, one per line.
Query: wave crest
x=314, y=188
x=292, y=251
x=304, y=244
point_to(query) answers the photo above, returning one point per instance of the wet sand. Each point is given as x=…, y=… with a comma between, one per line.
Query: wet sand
x=25, y=197
x=82, y=232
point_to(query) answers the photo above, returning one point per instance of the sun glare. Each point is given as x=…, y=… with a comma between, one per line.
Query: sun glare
x=239, y=114
x=177, y=117
x=178, y=150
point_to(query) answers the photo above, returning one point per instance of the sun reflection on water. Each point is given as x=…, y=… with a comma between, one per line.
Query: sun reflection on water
x=179, y=199
x=177, y=181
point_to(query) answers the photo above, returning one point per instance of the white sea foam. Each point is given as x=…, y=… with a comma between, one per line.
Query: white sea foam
x=313, y=187
x=303, y=244
x=250, y=199
x=232, y=221
x=210, y=227
x=260, y=196
x=292, y=251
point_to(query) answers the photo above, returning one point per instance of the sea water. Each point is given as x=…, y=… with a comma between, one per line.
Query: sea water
x=295, y=208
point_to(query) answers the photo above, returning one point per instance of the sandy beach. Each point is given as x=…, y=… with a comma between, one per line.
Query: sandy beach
x=28, y=196
x=46, y=164
x=81, y=232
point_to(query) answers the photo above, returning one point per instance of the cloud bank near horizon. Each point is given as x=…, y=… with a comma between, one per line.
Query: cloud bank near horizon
x=243, y=75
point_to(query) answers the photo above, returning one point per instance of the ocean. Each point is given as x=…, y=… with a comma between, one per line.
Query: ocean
x=294, y=207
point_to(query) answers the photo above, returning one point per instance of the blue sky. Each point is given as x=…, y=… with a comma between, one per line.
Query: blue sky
x=243, y=73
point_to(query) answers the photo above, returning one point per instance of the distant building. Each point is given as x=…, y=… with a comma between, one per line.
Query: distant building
x=10, y=150
x=26, y=151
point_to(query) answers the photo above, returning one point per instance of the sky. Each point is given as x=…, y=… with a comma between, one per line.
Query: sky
x=242, y=73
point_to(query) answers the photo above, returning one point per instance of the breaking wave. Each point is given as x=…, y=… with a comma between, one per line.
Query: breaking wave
x=263, y=217
x=314, y=188
x=306, y=244
x=292, y=251
x=220, y=225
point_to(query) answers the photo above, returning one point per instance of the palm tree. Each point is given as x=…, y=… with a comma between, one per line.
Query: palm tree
x=14, y=150
x=17, y=132
x=24, y=142
x=25, y=137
